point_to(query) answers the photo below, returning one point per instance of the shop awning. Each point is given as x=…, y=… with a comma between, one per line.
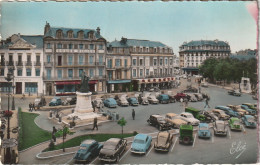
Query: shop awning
x=118, y=81
x=74, y=82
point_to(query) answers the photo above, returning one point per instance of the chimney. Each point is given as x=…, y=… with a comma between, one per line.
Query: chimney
x=123, y=40
x=98, y=30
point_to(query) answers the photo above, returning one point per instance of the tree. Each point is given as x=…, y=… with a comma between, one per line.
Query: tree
x=122, y=122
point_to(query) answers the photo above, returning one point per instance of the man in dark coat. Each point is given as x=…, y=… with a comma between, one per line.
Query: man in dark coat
x=30, y=107
x=133, y=114
x=95, y=123
x=93, y=105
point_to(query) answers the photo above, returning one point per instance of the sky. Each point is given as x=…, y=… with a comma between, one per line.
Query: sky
x=171, y=23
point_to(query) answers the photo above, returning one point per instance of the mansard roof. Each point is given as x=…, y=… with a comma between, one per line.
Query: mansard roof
x=205, y=42
x=36, y=40
x=136, y=43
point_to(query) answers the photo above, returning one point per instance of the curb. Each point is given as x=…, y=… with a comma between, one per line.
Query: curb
x=39, y=157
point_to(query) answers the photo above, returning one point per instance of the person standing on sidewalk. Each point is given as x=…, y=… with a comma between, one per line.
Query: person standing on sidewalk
x=206, y=103
x=93, y=106
x=186, y=102
x=95, y=124
x=30, y=107
x=133, y=114
x=33, y=107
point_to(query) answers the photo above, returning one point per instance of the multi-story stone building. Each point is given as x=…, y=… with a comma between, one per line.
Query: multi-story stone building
x=152, y=62
x=24, y=54
x=69, y=52
x=193, y=53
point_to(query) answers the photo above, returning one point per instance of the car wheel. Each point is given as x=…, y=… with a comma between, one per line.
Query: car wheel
x=117, y=158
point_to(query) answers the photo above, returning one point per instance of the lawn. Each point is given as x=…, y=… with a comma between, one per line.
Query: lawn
x=98, y=137
x=30, y=134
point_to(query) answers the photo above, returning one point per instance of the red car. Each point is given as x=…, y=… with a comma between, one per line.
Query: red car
x=178, y=96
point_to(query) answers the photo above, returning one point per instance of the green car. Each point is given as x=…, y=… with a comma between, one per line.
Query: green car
x=234, y=124
x=196, y=113
x=186, y=134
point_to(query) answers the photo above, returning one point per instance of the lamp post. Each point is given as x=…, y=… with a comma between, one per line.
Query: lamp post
x=13, y=104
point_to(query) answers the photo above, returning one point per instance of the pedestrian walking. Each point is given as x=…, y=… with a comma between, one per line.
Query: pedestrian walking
x=54, y=130
x=95, y=124
x=186, y=102
x=30, y=107
x=33, y=107
x=206, y=103
x=133, y=114
x=93, y=106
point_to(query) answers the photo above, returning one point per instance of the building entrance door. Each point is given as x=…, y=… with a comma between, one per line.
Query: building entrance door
x=18, y=88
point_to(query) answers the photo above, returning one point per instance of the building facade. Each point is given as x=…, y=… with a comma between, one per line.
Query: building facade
x=24, y=54
x=193, y=53
x=152, y=62
x=67, y=54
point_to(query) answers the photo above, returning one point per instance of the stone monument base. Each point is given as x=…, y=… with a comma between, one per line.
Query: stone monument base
x=85, y=116
x=83, y=103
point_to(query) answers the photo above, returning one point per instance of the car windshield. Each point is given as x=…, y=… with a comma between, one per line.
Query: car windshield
x=152, y=97
x=37, y=100
x=165, y=96
x=203, y=128
x=160, y=119
x=189, y=116
x=53, y=100
x=236, y=122
x=250, y=119
x=82, y=147
x=139, y=141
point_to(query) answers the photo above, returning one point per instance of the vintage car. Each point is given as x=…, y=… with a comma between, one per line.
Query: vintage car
x=174, y=120
x=220, y=128
x=112, y=150
x=228, y=111
x=159, y=122
x=180, y=96
x=188, y=117
x=132, y=101
x=190, y=90
x=143, y=99
x=249, y=110
x=220, y=114
x=39, y=102
x=197, y=114
x=203, y=130
x=154, y=89
x=238, y=109
x=172, y=99
x=122, y=101
x=199, y=96
x=249, y=105
x=163, y=141
x=192, y=97
x=141, y=143
x=163, y=99
x=88, y=149
x=55, y=101
x=210, y=116
x=98, y=102
x=110, y=103
x=186, y=134
x=70, y=101
x=234, y=124
x=234, y=92
x=152, y=99
x=249, y=121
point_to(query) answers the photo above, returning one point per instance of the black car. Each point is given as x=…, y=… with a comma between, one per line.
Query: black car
x=190, y=90
x=39, y=102
x=159, y=122
x=234, y=92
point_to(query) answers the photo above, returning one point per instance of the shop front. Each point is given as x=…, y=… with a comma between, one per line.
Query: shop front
x=119, y=86
x=147, y=84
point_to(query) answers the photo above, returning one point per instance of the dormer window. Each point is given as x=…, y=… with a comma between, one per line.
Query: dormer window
x=91, y=35
x=70, y=34
x=141, y=49
x=80, y=34
x=59, y=34
x=155, y=50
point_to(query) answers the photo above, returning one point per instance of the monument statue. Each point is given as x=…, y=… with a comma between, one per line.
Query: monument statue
x=84, y=88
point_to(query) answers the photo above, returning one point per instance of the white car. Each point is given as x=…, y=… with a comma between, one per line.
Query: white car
x=188, y=117
x=152, y=99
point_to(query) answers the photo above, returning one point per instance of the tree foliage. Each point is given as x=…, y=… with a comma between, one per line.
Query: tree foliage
x=122, y=122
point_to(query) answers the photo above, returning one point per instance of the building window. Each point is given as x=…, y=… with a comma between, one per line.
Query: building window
x=59, y=74
x=48, y=58
x=155, y=71
x=134, y=62
x=166, y=61
x=91, y=73
x=161, y=61
x=100, y=72
x=2, y=72
x=147, y=72
x=31, y=87
x=154, y=62
x=91, y=46
x=125, y=74
x=59, y=34
x=100, y=59
x=37, y=72
x=80, y=72
x=134, y=72
x=118, y=62
x=80, y=60
x=28, y=72
x=48, y=74
x=170, y=61
x=48, y=46
x=70, y=46
x=141, y=62
x=70, y=60
x=91, y=59
x=19, y=72
x=109, y=63
x=70, y=73
x=100, y=47
x=141, y=72
x=80, y=46
x=125, y=62
x=70, y=34
x=59, y=46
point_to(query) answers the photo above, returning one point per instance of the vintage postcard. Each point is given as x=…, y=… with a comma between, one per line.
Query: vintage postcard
x=155, y=82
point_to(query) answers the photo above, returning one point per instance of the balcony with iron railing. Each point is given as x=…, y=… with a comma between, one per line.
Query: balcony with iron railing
x=48, y=64
x=37, y=63
x=28, y=63
x=9, y=63
x=76, y=64
x=65, y=78
x=2, y=63
x=19, y=63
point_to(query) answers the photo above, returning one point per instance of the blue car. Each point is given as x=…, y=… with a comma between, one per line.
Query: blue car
x=55, y=101
x=249, y=121
x=203, y=131
x=110, y=103
x=132, y=101
x=141, y=143
x=163, y=99
x=88, y=150
x=251, y=111
x=228, y=111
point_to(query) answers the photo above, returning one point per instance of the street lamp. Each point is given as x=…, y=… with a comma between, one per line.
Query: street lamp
x=13, y=105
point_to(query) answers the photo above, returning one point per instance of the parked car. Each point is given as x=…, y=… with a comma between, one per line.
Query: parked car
x=203, y=130
x=192, y=97
x=250, y=111
x=188, y=117
x=152, y=99
x=143, y=100
x=238, y=109
x=172, y=99
x=249, y=121
x=98, y=102
x=132, y=101
x=159, y=122
x=163, y=98
x=154, y=89
x=112, y=150
x=180, y=96
x=55, y=101
x=204, y=84
x=186, y=134
x=234, y=92
x=70, y=101
x=88, y=149
x=234, y=124
x=199, y=96
x=39, y=102
x=190, y=90
x=228, y=111
x=210, y=116
x=196, y=113
x=110, y=103
x=163, y=141
x=141, y=143
x=122, y=101
x=220, y=128
x=220, y=114
x=251, y=106
x=174, y=120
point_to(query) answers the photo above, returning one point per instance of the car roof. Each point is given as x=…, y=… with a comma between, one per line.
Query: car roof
x=89, y=141
x=110, y=99
x=186, y=113
x=248, y=116
x=56, y=97
x=171, y=114
x=234, y=118
x=203, y=125
x=220, y=122
x=113, y=140
x=141, y=136
x=164, y=133
x=156, y=115
x=219, y=110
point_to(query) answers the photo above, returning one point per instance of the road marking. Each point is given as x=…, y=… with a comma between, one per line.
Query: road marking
x=69, y=160
x=243, y=129
x=149, y=151
x=194, y=140
x=229, y=133
x=212, y=139
x=174, y=143
x=93, y=160
x=125, y=154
